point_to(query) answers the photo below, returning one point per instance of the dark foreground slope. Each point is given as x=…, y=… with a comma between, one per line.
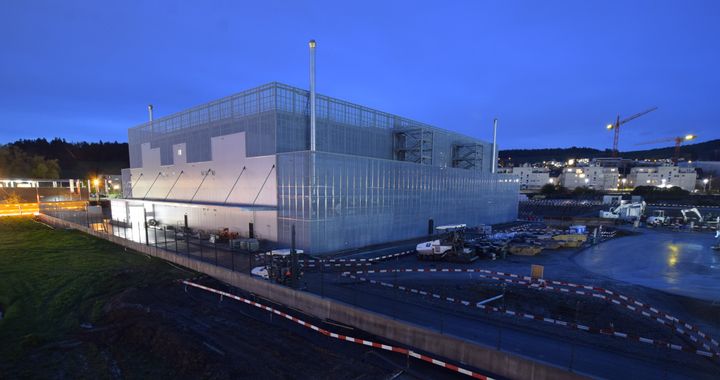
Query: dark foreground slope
x=78, y=307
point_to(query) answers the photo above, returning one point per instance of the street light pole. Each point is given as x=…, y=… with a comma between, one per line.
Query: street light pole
x=96, y=182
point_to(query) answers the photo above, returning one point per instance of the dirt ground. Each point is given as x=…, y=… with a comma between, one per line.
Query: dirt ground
x=76, y=307
x=165, y=332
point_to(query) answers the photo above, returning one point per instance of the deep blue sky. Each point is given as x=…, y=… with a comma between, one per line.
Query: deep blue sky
x=553, y=72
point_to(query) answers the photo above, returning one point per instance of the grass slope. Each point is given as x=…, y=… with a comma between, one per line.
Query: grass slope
x=52, y=281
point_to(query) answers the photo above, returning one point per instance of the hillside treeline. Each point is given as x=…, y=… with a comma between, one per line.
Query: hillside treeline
x=75, y=159
x=705, y=151
x=15, y=163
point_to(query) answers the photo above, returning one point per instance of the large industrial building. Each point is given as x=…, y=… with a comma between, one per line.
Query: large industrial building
x=246, y=162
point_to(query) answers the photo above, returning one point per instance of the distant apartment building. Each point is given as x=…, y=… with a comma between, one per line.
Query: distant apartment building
x=663, y=176
x=594, y=177
x=531, y=178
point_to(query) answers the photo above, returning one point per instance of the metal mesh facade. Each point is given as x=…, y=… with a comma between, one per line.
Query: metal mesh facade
x=341, y=201
x=375, y=177
x=275, y=118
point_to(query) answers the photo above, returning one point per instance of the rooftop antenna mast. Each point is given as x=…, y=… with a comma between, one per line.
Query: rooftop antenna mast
x=150, y=115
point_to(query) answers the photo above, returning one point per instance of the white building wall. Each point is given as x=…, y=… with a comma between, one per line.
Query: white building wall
x=210, y=218
x=158, y=182
x=663, y=176
x=164, y=191
x=529, y=177
x=595, y=177
x=179, y=154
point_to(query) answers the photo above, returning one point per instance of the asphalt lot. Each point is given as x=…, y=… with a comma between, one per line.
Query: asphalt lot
x=576, y=350
x=676, y=262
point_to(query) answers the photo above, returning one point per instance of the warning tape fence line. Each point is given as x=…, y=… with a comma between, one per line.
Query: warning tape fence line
x=363, y=260
x=527, y=281
x=345, y=265
x=342, y=337
x=616, y=298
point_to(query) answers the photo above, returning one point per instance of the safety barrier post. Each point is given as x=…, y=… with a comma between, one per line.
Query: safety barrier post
x=322, y=277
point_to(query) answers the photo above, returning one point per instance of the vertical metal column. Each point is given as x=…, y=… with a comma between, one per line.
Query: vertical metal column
x=312, y=94
x=147, y=240
x=494, y=151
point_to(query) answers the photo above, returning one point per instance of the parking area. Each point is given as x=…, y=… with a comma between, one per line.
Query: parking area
x=576, y=318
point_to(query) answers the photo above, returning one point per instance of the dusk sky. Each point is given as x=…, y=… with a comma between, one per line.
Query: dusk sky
x=553, y=72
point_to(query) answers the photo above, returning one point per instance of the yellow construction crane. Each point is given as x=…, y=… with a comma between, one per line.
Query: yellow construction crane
x=679, y=140
x=618, y=123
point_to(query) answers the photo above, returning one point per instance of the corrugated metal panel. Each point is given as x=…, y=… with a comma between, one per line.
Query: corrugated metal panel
x=275, y=118
x=347, y=201
x=351, y=192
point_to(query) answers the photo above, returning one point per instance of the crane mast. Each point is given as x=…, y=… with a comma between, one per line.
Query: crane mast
x=679, y=140
x=618, y=123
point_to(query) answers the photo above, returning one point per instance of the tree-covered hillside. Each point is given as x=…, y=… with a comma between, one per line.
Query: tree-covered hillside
x=78, y=159
x=705, y=151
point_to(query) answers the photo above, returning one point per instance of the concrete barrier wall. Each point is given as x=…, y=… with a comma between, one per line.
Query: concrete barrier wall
x=422, y=338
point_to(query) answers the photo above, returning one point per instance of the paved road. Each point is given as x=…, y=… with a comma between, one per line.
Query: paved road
x=676, y=262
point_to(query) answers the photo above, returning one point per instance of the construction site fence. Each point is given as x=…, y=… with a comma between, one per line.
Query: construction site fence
x=324, y=277
x=182, y=249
